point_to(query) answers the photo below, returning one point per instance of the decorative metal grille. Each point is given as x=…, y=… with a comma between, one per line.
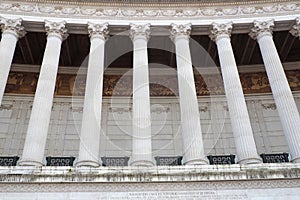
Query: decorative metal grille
x=168, y=161
x=115, y=161
x=60, y=161
x=221, y=160
x=275, y=158
x=8, y=160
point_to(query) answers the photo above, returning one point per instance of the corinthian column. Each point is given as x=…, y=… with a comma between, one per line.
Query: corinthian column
x=91, y=120
x=141, y=138
x=12, y=30
x=193, y=150
x=295, y=31
x=241, y=126
x=285, y=103
x=34, y=147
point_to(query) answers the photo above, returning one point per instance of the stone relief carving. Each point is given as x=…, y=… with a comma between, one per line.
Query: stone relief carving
x=261, y=28
x=26, y=82
x=269, y=106
x=98, y=30
x=219, y=30
x=139, y=30
x=180, y=30
x=295, y=31
x=125, y=12
x=56, y=28
x=119, y=110
x=12, y=25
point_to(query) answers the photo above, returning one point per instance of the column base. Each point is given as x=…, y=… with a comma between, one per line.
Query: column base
x=196, y=162
x=142, y=163
x=87, y=163
x=248, y=161
x=296, y=160
x=30, y=163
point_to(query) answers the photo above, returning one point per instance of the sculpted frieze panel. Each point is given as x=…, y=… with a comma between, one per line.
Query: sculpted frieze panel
x=118, y=85
x=116, y=10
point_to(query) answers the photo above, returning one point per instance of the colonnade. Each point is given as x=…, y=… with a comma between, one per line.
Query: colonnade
x=193, y=150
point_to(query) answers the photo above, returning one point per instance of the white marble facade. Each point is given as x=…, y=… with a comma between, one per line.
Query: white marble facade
x=116, y=140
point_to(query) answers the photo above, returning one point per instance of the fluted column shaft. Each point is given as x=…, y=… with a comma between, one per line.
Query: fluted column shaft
x=285, y=103
x=91, y=120
x=193, y=150
x=141, y=138
x=12, y=30
x=36, y=137
x=239, y=117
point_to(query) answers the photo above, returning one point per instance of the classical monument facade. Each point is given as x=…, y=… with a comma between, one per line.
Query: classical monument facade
x=151, y=99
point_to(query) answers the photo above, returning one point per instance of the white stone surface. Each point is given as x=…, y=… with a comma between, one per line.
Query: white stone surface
x=11, y=31
x=193, y=150
x=64, y=129
x=91, y=120
x=285, y=103
x=239, y=117
x=141, y=113
x=36, y=137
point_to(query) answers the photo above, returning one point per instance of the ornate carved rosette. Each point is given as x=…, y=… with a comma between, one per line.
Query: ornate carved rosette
x=13, y=26
x=295, y=31
x=220, y=30
x=261, y=28
x=98, y=30
x=180, y=30
x=56, y=28
x=139, y=30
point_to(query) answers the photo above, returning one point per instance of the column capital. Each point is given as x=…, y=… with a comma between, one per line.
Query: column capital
x=178, y=30
x=139, y=31
x=98, y=30
x=13, y=26
x=57, y=29
x=295, y=31
x=220, y=30
x=261, y=28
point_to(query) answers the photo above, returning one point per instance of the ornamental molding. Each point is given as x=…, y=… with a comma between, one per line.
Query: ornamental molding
x=12, y=25
x=269, y=106
x=295, y=31
x=139, y=30
x=220, y=30
x=150, y=11
x=98, y=30
x=261, y=28
x=180, y=30
x=56, y=28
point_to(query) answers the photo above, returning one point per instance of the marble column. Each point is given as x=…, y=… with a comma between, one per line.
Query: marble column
x=141, y=138
x=240, y=121
x=193, y=150
x=35, y=142
x=91, y=120
x=12, y=30
x=285, y=103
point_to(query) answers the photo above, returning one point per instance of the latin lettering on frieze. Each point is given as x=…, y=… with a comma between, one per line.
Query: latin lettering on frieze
x=168, y=160
x=60, y=161
x=221, y=159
